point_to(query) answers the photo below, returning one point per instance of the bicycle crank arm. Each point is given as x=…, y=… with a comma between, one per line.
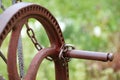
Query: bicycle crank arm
x=80, y=54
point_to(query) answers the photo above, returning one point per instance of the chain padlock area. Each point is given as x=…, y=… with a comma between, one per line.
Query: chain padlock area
x=63, y=51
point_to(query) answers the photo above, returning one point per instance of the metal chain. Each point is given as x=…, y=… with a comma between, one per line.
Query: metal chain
x=15, y=1
x=20, y=58
x=64, y=60
x=20, y=50
x=1, y=5
x=3, y=57
x=1, y=54
x=31, y=35
x=64, y=49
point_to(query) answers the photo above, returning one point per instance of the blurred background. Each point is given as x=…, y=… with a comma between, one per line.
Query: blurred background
x=92, y=25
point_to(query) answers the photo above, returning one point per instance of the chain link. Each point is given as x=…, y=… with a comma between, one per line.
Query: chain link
x=1, y=5
x=63, y=50
x=15, y=1
x=3, y=57
x=31, y=35
x=20, y=58
x=20, y=50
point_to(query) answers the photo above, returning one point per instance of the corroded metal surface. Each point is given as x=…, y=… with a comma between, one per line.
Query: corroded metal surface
x=80, y=54
x=13, y=20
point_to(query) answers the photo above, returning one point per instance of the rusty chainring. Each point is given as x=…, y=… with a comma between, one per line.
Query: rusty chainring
x=13, y=20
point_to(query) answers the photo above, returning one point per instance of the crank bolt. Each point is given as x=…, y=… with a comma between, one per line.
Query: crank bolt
x=110, y=56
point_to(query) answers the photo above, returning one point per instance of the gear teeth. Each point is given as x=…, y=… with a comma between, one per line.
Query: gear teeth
x=44, y=12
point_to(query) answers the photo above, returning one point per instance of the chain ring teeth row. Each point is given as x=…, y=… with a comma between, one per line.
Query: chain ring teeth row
x=47, y=14
x=21, y=12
